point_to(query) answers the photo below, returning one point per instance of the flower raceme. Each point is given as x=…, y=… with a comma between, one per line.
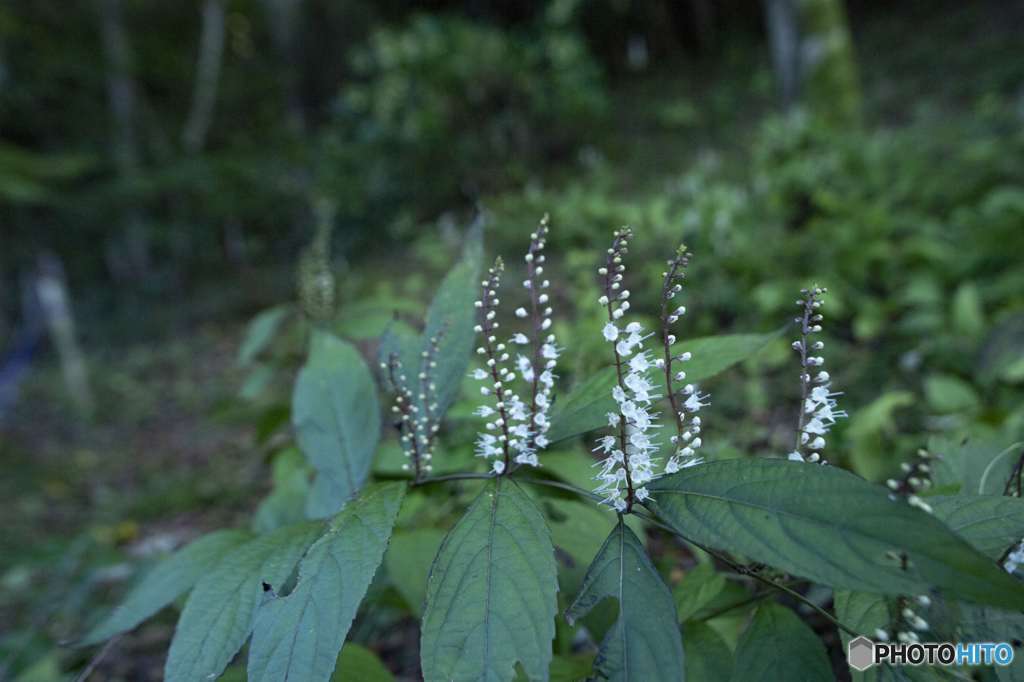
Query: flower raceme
x=517, y=431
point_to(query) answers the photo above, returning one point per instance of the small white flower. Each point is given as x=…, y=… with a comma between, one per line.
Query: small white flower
x=520, y=339
x=610, y=331
x=521, y=312
x=479, y=374
x=499, y=466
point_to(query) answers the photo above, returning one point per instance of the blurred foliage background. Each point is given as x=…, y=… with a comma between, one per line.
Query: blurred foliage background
x=166, y=168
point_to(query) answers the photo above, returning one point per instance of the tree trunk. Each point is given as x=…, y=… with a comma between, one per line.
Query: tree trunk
x=831, y=86
x=211, y=55
x=121, y=97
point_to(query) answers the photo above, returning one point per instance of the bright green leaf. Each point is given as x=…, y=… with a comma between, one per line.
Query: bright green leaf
x=219, y=613
x=298, y=637
x=696, y=589
x=947, y=394
x=408, y=561
x=491, y=598
x=708, y=658
x=359, y=664
x=644, y=645
x=336, y=416
x=990, y=523
x=260, y=333
x=586, y=408
x=168, y=580
x=827, y=525
x=779, y=647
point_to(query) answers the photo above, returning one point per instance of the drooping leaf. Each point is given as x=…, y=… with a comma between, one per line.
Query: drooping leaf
x=827, y=525
x=450, y=319
x=696, y=589
x=586, y=408
x=990, y=523
x=644, y=645
x=260, y=333
x=491, y=597
x=359, y=664
x=219, y=614
x=298, y=637
x=286, y=503
x=168, y=580
x=779, y=647
x=336, y=416
x=408, y=561
x=708, y=657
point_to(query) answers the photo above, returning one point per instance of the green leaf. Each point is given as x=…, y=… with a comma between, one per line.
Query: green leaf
x=219, y=613
x=168, y=580
x=359, y=664
x=286, y=504
x=336, y=416
x=260, y=333
x=452, y=312
x=863, y=613
x=696, y=589
x=986, y=624
x=298, y=637
x=587, y=407
x=644, y=645
x=990, y=523
x=779, y=647
x=708, y=658
x=491, y=597
x=827, y=525
x=408, y=561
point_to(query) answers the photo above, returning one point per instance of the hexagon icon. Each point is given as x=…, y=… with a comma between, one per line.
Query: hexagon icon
x=861, y=653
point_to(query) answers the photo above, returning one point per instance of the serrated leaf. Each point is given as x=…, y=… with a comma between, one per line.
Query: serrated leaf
x=298, y=637
x=644, y=645
x=696, y=589
x=219, y=614
x=260, y=333
x=452, y=314
x=708, y=657
x=336, y=416
x=827, y=525
x=491, y=597
x=586, y=408
x=990, y=523
x=167, y=581
x=779, y=647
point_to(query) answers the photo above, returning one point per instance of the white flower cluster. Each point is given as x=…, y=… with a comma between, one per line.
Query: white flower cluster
x=519, y=427
x=1015, y=558
x=818, y=410
x=633, y=420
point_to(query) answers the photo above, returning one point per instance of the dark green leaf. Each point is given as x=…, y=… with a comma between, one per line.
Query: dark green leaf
x=986, y=624
x=696, y=589
x=644, y=645
x=286, y=504
x=863, y=613
x=587, y=407
x=298, y=637
x=219, y=613
x=491, y=597
x=168, y=580
x=779, y=647
x=827, y=525
x=990, y=523
x=260, y=333
x=336, y=417
x=708, y=658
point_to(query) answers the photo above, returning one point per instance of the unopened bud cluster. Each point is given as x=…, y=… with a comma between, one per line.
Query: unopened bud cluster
x=817, y=406
x=416, y=412
x=916, y=478
x=908, y=622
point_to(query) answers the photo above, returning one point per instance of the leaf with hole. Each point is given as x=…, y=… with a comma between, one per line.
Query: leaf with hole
x=298, y=637
x=491, y=597
x=827, y=525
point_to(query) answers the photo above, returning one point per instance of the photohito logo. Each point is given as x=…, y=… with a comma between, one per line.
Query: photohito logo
x=863, y=653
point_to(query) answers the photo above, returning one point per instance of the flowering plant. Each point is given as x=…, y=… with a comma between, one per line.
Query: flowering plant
x=503, y=593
